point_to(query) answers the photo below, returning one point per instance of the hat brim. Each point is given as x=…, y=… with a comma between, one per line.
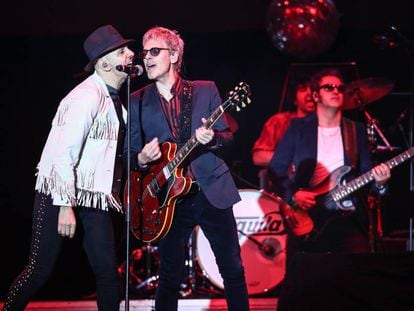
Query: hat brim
x=89, y=66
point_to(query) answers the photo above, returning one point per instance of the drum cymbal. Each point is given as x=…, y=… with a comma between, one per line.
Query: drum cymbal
x=366, y=91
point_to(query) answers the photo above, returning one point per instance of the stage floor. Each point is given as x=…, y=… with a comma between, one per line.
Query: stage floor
x=217, y=304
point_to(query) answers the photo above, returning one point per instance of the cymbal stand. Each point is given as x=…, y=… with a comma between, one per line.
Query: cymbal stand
x=374, y=201
x=375, y=222
x=149, y=283
x=408, y=45
x=373, y=128
x=372, y=123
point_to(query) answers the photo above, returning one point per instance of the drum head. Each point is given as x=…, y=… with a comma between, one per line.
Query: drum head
x=262, y=240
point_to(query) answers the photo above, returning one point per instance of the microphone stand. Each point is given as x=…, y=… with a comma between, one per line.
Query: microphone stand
x=128, y=203
x=410, y=247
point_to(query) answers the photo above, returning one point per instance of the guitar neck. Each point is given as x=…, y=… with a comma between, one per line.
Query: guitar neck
x=186, y=149
x=357, y=183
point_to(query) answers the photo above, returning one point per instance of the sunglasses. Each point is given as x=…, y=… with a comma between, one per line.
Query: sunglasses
x=331, y=87
x=152, y=51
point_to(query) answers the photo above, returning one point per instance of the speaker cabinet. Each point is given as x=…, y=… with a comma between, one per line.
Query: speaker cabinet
x=351, y=282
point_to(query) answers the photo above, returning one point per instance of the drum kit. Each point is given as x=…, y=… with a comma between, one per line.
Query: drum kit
x=262, y=239
x=262, y=235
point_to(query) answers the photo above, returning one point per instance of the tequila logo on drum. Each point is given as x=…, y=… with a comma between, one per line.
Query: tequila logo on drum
x=267, y=224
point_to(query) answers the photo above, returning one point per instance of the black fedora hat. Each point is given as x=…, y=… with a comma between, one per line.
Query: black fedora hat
x=103, y=40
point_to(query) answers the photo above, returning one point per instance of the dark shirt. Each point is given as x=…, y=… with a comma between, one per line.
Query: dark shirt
x=171, y=108
x=118, y=170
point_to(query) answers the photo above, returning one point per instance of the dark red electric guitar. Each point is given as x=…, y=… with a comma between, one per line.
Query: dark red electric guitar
x=163, y=183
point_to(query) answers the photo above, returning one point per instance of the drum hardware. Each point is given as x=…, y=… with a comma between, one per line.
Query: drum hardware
x=148, y=282
x=362, y=92
x=269, y=247
x=143, y=271
x=372, y=128
x=374, y=201
x=188, y=286
x=357, y=95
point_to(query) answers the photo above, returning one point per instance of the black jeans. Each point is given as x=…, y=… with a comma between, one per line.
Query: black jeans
x=46, y=243
x=219, y=226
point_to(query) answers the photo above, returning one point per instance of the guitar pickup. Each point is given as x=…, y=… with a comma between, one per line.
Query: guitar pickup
x=153, y=188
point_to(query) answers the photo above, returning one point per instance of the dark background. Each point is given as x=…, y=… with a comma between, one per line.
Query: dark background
x=226, y=41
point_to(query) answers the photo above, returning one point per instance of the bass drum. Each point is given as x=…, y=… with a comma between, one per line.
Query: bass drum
x=262, y=239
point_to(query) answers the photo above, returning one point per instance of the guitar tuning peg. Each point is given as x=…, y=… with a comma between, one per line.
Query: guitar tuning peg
x=238, y=108
x=243, y=105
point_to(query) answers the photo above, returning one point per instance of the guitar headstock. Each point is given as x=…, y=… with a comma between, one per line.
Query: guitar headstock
x=239, y=97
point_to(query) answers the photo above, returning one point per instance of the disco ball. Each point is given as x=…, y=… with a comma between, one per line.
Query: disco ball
x=302, y=28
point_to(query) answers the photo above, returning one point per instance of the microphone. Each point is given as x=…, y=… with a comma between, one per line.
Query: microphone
x=133, y=70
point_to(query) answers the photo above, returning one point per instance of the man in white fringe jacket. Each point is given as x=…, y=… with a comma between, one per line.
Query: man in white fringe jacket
x=78, y=174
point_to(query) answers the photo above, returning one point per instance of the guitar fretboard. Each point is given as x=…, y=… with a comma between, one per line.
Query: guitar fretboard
x=343, y=191
x=193, y=142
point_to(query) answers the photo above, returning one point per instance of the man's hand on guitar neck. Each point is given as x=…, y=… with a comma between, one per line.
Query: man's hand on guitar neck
x=381, y=174
x=304, y=199
x=203, y=134
x=149, y=153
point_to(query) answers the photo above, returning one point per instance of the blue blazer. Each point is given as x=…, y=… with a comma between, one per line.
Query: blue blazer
x=299, y=146
x=208, y=168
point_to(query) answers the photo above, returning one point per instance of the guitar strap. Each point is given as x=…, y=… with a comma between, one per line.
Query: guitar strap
x=185, y=116
x=350, y=142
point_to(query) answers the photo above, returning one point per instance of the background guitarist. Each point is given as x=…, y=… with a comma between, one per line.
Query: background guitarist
x=317, y=145
x=172, y=109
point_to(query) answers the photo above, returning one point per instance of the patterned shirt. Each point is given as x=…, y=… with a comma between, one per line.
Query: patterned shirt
x=171, y=108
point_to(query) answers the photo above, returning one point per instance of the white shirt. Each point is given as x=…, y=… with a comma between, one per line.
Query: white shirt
x=330, y=153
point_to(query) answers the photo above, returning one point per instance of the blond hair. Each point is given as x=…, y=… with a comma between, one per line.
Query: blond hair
x=171, y=38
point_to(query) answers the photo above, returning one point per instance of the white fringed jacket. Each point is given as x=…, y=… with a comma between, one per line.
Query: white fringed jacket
x=77, y=162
